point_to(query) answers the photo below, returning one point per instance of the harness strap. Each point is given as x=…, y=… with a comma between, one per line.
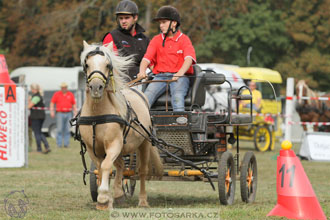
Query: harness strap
x=100, y=119
x=83, y=149
x=128, y=118
x=93, y=120
x=82, y=154
x=94, y=125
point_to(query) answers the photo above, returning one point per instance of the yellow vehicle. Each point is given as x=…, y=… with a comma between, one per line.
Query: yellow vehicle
x=266, y=125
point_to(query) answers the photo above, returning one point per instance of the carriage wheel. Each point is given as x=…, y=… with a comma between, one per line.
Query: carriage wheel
x=249, y=177
x=129, y=187
x=226, y=178
x=93, y=182
x=262, y=138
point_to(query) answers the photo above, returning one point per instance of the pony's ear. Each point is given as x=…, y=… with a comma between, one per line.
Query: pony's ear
x=86, y=45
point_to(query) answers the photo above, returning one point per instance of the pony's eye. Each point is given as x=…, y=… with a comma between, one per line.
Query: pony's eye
x=86, y=66
x=109, y=66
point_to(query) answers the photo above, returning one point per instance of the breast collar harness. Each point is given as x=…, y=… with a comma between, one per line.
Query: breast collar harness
x=78, y=120
x=104, y=78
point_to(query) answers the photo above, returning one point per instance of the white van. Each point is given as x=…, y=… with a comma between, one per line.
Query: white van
x=50, y=78
x=216, y=96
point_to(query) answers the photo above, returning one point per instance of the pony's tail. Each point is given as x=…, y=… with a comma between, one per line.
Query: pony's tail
x=155, y=165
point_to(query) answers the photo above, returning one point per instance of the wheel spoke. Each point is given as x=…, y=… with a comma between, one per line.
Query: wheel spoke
x=228, y=180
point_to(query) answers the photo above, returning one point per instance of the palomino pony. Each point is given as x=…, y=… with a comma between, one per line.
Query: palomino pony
x=108, y=98
x=312, y=109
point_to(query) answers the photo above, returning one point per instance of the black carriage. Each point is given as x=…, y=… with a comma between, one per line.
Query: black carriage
x=193, y=144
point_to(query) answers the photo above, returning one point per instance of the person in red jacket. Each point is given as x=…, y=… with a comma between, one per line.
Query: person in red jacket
x=172, y=54
x=65, y=103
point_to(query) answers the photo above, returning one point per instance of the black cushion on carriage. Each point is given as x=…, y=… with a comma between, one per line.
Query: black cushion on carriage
x=195, y=96
x=212, y=78
x=241, y=119
x=235, y=119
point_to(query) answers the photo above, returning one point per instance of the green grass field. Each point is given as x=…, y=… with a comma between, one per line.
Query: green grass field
x=55, y=190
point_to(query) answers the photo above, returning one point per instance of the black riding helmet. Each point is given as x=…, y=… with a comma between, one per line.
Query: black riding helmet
x=169, y=13
x=127, y=7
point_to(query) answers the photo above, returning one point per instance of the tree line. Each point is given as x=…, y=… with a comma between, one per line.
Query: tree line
x=291, y=36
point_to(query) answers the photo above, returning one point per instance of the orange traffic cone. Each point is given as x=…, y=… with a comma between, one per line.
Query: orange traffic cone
x=4, y=74
x=295, y=196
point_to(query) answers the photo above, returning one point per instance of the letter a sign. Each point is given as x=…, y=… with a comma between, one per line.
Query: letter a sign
x=10, y=87
x=10, y=93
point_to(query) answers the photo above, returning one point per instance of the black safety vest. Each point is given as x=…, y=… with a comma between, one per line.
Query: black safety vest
x=128, y=45
x=38, y=113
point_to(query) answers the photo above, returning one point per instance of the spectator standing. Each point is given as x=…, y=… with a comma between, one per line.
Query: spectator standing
x=172, y=54
x=65, y=103
x=128, y=37
x=37, y=116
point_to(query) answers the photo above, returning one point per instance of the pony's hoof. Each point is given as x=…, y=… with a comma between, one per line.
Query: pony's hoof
x=120, y=200
x=143, y=204
x=103, y=206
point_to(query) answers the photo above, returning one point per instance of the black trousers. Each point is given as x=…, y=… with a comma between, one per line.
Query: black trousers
x=36, y=125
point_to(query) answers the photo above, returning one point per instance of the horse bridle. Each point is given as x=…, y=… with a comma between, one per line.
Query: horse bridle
x=105, y=79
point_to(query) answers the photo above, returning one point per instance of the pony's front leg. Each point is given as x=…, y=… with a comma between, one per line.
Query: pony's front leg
x=104, y=198
x=118, y=183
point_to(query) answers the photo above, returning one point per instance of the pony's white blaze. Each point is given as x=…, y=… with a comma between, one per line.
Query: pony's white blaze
x=97, y=83
x=300, y=93
x=109, y=136
x=98, y=62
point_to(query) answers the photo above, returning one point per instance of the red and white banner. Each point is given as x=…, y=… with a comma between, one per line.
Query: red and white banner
x=309, y=123
x=13, y=127
x=309, y=98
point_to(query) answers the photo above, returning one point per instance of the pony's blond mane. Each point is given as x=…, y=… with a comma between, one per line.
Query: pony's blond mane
x=120, y=68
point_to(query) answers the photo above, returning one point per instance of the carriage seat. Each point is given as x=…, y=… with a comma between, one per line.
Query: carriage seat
x=196, y=92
